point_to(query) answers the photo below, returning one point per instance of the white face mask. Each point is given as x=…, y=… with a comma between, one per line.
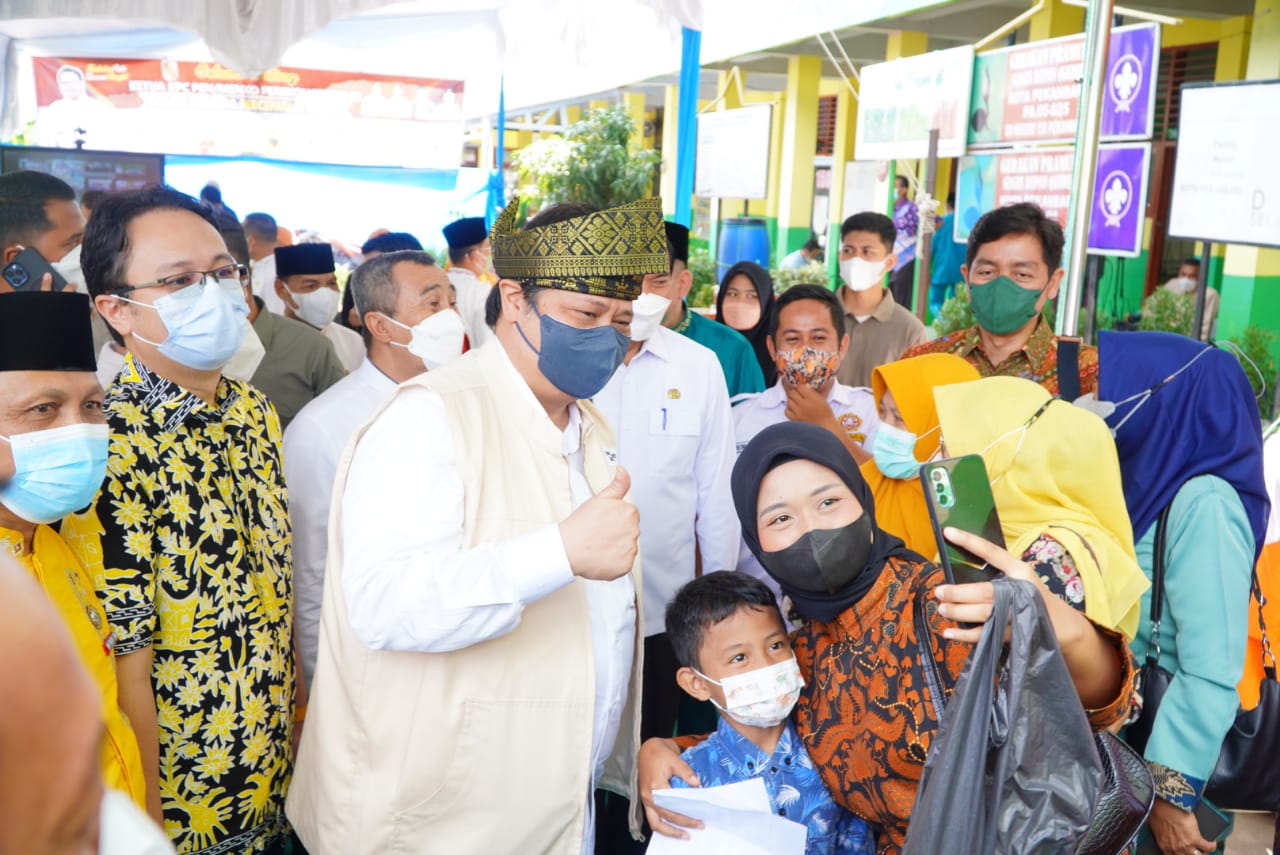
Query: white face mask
x=245, y=361
x=123, y=829
x=647, y=312
x=69, y=269
x=317, y=307
x=436, y=339
x=1182, y=285
x=859, y=274
x=763, y=697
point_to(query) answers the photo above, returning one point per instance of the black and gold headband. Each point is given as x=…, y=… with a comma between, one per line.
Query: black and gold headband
x=607, y=253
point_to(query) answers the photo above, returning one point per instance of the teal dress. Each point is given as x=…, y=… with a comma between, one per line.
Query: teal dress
x=1203, y=629
x=742, y=371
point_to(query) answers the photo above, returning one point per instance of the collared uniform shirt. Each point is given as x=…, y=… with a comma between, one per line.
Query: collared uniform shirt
x=299, y=365
x=883, y=337
x=1036, y=361
x=795, y=788
x=472, y=294
x=742, y=373
x=854, y=408
x=313, y=447
x=195, y=552
x=67, y=580
x=347, y=344
x=263, y=275
x=669, y=409
x=409, y=584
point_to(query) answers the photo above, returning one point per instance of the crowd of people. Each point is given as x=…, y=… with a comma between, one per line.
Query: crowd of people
x=474, y=554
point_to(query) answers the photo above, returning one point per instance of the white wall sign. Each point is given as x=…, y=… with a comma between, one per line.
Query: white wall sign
x=733, y=153
x=902, y=100
x=1226, y=187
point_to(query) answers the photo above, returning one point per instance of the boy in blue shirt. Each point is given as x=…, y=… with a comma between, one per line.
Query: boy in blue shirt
x=732, y=649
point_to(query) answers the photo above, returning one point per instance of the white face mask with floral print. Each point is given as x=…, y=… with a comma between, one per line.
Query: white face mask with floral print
x=763, y=697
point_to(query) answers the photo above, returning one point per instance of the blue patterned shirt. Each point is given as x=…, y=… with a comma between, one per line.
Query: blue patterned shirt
x=795, y=789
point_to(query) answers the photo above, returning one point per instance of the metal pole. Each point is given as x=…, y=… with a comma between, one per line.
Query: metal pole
x=924, y=250
x=1097, y=43
x=1093, y=272
x=1202, y=288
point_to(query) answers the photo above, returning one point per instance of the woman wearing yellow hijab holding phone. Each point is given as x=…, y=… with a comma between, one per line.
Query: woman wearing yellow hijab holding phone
x=1056, y=481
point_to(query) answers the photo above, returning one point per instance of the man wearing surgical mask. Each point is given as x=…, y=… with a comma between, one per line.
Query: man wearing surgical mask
x=53, y=458
x=307, y=284
x=39, y=211
x=479, y=625
x=300, y=362
x=1186, y=283
x=192, y=527
x=879, y=329
x=1013, y=268
x=403, y=301
x=669, y=407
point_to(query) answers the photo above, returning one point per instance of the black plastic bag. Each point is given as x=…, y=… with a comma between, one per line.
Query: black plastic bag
x=1013, y=768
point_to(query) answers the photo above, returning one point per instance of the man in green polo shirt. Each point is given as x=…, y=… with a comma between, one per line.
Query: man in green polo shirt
x=742, y=372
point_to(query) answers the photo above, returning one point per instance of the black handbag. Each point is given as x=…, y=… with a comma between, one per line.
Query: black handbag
x=1247, y=775
x=1013, y=769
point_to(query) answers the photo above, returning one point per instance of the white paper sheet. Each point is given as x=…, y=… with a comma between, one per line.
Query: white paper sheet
x=736, y=818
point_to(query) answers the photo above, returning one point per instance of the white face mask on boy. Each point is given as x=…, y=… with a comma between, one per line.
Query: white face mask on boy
x=763, y=697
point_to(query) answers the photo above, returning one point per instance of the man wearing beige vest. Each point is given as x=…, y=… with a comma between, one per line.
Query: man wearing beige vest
x=479, y=658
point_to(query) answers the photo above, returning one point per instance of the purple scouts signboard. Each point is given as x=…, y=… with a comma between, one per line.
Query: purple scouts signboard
x=1119, y=199
x=1030, y=94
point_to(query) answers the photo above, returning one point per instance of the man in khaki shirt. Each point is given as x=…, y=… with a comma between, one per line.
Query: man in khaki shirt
x=880, y=330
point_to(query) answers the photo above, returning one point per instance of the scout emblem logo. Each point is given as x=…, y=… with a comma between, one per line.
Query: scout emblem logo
x=1117, y=197
x=1126, y=81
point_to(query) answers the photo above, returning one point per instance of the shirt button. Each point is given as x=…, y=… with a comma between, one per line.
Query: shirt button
x=750, y=765
x=782, y=811
x=773, y=769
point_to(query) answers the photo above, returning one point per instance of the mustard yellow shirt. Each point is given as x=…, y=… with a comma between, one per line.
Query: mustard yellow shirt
x=70, y=586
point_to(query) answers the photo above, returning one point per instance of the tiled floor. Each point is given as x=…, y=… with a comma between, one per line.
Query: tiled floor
x=1253, y=835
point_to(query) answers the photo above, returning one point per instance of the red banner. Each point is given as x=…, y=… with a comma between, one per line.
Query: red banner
x=164, y=105
x=166, y=83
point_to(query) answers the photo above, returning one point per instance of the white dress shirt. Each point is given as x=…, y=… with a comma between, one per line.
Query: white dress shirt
x=347, y=344
x=853, y=406
x=411, y=586
x=313, y=446
x=1271, y=472
x=670, y=410
x=263, y=272
x=109, y=364
x=472, y=294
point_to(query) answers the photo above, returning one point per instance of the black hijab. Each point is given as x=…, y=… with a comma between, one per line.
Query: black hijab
x=779, y=444
x=758, y=335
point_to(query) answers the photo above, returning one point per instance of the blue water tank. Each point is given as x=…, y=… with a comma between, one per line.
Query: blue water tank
x=742, y=239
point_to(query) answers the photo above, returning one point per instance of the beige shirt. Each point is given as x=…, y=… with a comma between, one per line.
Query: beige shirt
x=882, y=337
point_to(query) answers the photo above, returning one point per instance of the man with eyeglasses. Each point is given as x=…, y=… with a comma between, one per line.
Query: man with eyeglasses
x=194, y=525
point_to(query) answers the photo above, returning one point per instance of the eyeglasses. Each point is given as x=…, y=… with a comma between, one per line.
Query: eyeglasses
x=234, y=273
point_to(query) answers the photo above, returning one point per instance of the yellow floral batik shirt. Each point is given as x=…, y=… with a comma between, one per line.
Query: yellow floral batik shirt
x=195, y=546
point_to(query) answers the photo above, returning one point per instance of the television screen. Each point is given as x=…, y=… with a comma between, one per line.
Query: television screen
x=86, y=169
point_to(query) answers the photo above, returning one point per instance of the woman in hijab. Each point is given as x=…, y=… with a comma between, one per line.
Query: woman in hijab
x=1190, y=443
x=745, y=303
x=871, y=611
x=908, y=436
x=1056, y=482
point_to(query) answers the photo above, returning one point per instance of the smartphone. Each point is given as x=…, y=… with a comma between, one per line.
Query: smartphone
x=1214, y=825
x=958, y=494
x=27, y=269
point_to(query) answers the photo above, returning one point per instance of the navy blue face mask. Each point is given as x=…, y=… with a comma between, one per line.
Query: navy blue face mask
x=578, y=362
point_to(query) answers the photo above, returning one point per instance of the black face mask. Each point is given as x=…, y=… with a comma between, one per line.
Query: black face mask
x=823, y=571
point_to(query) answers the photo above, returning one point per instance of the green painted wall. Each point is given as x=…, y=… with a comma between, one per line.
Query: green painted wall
x=1250, y=300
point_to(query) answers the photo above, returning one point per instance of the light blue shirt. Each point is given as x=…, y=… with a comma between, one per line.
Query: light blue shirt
x=1204, y=624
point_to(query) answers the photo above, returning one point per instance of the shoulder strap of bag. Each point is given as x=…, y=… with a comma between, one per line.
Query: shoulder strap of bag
x=932, y=678
x=1268, y=655
x=1157, y=584
x=1068, y=368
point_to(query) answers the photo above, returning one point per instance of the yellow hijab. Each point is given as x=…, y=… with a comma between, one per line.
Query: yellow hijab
x=1059, y=477
x=900, y=506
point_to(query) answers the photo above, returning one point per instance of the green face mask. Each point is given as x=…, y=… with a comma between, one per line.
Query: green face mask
x=1002, y=306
